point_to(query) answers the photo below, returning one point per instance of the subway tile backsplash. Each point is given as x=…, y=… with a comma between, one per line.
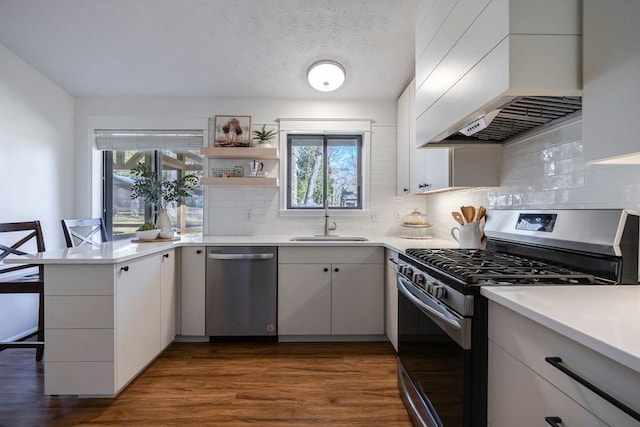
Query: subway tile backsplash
x=547, y=171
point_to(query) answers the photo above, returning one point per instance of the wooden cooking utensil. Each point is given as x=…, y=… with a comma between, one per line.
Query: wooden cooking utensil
x=458, y=217
x=480, y=212
x=468, y=213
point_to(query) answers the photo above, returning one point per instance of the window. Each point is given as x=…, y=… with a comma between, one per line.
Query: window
x=173, y=153
x=324, y=168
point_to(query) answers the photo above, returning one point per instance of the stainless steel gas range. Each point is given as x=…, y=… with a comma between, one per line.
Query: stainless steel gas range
x=442, y=319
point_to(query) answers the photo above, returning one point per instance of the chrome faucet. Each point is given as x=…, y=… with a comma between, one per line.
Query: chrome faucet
x=327, y=227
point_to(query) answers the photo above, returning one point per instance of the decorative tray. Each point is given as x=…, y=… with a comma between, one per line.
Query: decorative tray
x=171, y=239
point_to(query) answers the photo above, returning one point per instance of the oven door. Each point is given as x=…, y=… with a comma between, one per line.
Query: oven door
x=434, y=359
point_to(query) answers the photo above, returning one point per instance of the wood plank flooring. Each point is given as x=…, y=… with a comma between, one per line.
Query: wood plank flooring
x=231, y=384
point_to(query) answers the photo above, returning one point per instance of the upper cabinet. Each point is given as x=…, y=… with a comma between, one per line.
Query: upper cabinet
x=475, y=56
x=424, y=170
x=611, y=73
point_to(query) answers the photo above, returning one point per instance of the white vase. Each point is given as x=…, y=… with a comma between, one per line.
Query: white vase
x=163, y=222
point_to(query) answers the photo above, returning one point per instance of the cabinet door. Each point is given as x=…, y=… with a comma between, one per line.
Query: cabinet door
x=405, y=142
x=304, y=299
x=391, y=300
x=137, y=316
x=611, y=95
x=517, y=396
x=436, y=168
x=357, y=299
x=193, y=290
x=168, y=298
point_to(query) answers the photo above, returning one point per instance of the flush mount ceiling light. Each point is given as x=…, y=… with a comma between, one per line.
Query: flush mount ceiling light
x=326, y=75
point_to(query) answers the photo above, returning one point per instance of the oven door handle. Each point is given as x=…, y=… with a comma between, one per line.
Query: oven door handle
x=439, y=312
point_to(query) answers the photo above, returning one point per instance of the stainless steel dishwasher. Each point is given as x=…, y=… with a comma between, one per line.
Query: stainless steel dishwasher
x=241, y=292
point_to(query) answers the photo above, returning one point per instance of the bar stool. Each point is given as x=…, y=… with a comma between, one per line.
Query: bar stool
x=23, y=278
x=79, y=232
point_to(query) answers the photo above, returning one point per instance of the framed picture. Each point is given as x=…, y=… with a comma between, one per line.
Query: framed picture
x=230, y=131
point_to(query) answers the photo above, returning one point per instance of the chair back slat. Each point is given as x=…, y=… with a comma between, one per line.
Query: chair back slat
x=23, y=244
x=80, y=232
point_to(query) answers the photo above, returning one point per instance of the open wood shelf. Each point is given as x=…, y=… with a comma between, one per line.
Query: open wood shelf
x=240, y=153
x=242, y=181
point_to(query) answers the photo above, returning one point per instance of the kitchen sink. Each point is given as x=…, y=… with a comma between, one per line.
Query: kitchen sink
x=329, y=238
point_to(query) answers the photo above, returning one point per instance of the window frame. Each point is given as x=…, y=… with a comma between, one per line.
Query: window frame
x=326, y=137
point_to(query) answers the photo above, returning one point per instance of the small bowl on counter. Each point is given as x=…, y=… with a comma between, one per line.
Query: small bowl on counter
x=148, y=234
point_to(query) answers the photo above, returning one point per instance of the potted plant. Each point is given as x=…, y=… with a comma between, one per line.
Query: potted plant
x=264, y=135
x=161, y=192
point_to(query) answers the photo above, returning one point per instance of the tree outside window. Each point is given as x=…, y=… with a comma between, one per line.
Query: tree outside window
x=324, y=167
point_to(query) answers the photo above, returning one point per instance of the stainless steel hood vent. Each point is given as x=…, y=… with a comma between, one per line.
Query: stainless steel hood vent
x=518, y=116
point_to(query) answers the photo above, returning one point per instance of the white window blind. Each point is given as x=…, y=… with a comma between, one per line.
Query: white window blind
x=143, y=140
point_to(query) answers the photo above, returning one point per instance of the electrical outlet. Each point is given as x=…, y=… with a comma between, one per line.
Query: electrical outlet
x=397, y=217
x=374, y=216
x=248, y=215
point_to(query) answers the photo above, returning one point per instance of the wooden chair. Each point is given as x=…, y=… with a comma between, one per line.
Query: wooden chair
x=79, y=232
x=23, y=278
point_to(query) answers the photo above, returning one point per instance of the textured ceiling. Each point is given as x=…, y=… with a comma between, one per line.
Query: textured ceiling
x=221, y=48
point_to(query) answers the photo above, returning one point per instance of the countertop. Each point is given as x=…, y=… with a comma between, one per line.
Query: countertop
x=603, y=318
x=126, y=250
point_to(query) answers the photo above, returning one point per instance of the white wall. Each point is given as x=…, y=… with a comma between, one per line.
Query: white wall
x=546, y=171
x=236, y=210
x=36, y=166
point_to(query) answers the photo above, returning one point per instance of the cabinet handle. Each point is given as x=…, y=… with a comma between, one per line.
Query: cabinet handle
x=199, y=251
x=553, y=421
x=325, y=269
x=336, y=269
x=406, y=190
x=125, y=268
x=425, y=185
x=165, y=256
x=556, y=362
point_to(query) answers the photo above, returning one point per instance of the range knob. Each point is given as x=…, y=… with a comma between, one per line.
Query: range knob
x=430, y=286
x=419, y=279
x=439, y=291
x=407, y=271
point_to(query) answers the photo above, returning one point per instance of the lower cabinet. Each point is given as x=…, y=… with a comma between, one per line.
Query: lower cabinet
x=138, y=302
x=330, y=291
x=524, y=389
x=192, y=297
x=105, y=323
x=391, y=297
x=168, y=298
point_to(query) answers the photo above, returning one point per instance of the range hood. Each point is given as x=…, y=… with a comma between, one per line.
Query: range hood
x=518, y=116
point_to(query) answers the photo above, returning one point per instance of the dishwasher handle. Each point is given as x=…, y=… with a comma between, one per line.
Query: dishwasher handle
x=239, y=256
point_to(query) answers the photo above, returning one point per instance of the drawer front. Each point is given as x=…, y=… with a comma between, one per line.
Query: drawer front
x=517, y=396
x=331, y=255
x=531, y=343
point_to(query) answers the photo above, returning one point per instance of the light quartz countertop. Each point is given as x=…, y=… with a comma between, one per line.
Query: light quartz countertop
x=604, y=318
x=126, y=250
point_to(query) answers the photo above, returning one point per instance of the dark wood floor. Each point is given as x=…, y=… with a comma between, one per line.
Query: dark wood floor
x=266, y=384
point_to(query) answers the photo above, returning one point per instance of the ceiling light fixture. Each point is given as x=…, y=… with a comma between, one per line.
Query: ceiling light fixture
x=326, y=75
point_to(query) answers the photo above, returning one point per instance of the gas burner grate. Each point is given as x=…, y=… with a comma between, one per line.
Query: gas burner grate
x=476, y=266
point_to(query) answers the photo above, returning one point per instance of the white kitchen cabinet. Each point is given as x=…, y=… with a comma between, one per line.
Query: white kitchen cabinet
x=474, y=56
x=330, y=291
x=405, y=139
x=391, y=297
x=523, y=388
x=192, y=273
x=168, y=298
x=104, y=323
x=520, y=397
x=611, y=95
x=422, y=170
x=357, y=299
x=137, y=322
x=304, y=299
